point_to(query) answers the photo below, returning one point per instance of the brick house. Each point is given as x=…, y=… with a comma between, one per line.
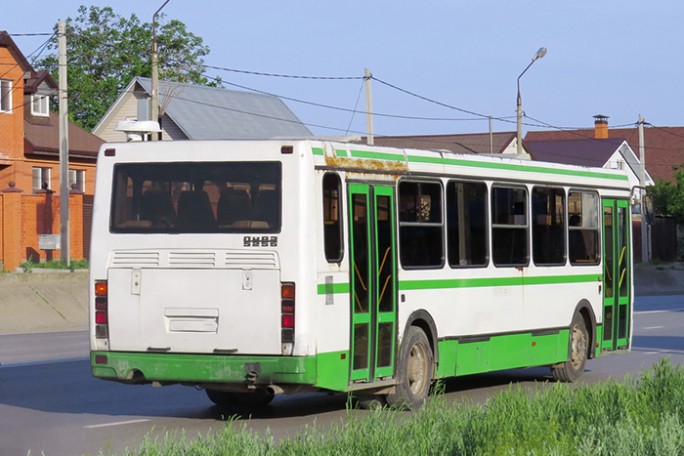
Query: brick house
x=664, y=146
x=29, y=165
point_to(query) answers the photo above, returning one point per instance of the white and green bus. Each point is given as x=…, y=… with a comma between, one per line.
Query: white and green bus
x=254, y=268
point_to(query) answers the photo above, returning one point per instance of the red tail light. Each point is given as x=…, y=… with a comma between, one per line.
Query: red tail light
x=287, y=311
x=101, y=310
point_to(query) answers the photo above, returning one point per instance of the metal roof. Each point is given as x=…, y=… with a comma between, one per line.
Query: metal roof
x=216, y=113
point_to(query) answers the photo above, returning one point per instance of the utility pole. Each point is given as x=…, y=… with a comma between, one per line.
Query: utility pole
x=644, y=223
x=491, y=137
x=367, y=76
x=154, y=110
x=63, y=145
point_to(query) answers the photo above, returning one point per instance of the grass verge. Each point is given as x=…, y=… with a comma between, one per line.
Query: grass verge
x=643, y=416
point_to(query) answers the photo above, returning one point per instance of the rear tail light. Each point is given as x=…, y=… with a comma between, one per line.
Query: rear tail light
x=101, y=310
x=287, y=317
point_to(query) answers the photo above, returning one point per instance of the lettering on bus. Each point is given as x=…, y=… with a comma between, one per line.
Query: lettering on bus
x=260, y=241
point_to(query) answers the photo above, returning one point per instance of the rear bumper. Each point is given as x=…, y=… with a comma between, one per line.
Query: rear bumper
x=131, y=367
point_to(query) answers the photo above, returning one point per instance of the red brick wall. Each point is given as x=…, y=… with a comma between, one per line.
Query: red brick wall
x=12, y=123
x=28, y=216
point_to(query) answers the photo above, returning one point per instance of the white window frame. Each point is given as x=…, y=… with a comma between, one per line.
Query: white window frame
x=41, y=175
x=42, y=102
x=5, y=95
x=77, y=180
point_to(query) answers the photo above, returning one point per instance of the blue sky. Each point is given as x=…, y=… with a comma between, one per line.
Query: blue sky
x=620, y=58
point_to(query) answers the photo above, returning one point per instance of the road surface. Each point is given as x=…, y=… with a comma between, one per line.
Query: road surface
x=50, y=403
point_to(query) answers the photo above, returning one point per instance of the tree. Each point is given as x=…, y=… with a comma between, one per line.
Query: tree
x=106, y=51
x=668, y=198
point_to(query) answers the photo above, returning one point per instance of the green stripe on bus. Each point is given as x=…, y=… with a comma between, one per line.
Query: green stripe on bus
x=339, y=288
x=471, y=164
x=513, y=167
x=494, y=282
x=377, y=155
x=332, y=288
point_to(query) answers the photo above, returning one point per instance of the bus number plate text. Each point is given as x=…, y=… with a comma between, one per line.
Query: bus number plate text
x=260, y=241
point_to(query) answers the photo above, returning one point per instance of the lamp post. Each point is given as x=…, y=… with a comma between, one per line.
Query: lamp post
x=540, y=53
x=154, y=111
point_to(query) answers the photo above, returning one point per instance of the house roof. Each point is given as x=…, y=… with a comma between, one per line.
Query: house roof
x=215, y=113
x=41, y=136
x=35, y=77
x=664, y=146
x=7, y=42
x=478, y=143
x=581, y=152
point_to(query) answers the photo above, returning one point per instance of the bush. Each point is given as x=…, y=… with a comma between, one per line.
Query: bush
x=54, y=264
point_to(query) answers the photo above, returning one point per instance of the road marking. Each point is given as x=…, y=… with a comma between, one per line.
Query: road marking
x=653, y=327
x=117, y=423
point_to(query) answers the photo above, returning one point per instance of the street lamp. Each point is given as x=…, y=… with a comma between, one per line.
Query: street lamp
x=540, y=53
x=154, y=111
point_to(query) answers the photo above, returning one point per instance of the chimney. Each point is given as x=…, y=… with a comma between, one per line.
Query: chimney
x=600, y=126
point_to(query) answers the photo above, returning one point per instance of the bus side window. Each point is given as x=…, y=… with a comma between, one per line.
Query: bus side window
x=332, y=222
x=421, y=228
x=548, y=226
x=583, y=228
x=510, y=245
x=467, y=223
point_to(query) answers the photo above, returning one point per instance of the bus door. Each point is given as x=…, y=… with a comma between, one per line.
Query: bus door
x=616, y=274
x=373, y=280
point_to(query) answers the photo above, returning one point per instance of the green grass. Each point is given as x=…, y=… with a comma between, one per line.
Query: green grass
x=642, y=416
x=54, y=264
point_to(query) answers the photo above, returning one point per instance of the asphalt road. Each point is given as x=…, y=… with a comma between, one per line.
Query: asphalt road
x=50, y=403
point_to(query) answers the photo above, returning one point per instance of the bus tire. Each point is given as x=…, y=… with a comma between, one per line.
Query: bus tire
x=259, y=398
x=414, y=371
x=573, y=367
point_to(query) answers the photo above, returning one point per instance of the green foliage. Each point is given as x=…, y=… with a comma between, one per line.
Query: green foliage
x=645, y=416
x=106, y=51
x=668, y=198
x=54, y=264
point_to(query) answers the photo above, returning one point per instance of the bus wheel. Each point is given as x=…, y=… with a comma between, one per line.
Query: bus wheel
x=414, y=372
x=570, y=370
x=371, y=402
x=259, y=398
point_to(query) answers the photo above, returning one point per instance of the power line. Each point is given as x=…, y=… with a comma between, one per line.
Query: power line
x=279, y=75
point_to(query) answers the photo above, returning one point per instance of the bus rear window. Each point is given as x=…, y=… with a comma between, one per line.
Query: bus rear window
x=191, y=197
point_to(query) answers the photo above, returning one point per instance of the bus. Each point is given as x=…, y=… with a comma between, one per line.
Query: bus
x=261, y=267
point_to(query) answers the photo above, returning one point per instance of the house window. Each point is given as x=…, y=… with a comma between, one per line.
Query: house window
x=77, y=180
x=143, y=108
x=40, y=105
x=5, y=95
x=41, y=179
